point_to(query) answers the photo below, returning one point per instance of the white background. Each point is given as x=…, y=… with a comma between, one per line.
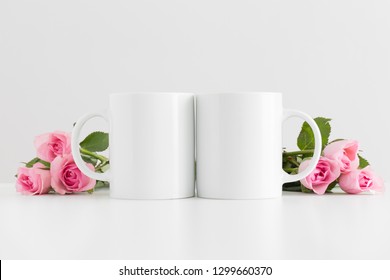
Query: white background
x=59, y=59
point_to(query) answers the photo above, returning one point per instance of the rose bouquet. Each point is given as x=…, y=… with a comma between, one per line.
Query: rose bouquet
x=340, y=164
x=54, y=170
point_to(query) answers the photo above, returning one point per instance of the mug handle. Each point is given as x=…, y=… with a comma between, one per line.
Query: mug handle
x=76, y=149
x=287, y=113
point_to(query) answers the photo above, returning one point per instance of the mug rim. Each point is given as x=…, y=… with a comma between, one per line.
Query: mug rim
x=274, y=93
x=129, y=93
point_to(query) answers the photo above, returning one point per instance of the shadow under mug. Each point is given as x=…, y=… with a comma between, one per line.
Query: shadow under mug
x=239, y=145
x=151, y=145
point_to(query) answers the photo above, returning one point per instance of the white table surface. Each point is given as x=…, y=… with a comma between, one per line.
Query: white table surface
x=296, y=226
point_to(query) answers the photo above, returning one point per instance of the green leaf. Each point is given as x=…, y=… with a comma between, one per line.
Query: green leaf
x=95, y=142
x=36, y=160
x=305, y=139
x=305, y=190
x=331, y=187
x=102, y=184
x=292, y=187
x=362, y=162
x=32, y=162
x=89, y=159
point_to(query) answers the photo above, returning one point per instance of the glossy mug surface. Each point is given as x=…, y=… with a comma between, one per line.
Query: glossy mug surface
x=151, y=145
x=239, y=145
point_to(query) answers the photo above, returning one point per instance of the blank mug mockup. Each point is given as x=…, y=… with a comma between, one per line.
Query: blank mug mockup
x=151, y=145
x=239, y=145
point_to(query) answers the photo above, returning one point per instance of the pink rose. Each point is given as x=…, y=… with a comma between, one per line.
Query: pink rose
x=345, y=153
x=34, y=180
x=67, y=178
x=361, y=180
x=326, y=172
x=51, y=145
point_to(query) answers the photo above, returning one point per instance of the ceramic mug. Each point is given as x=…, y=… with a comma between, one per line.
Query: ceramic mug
x=239, y=145
x=151, y=145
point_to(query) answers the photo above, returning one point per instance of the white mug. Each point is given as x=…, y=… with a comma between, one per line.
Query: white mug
x=239, y=145
x=151, y=145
